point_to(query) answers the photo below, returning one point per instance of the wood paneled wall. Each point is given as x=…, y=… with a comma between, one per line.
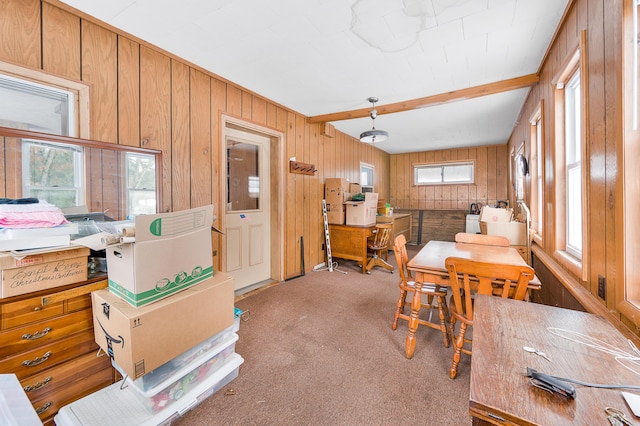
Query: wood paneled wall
x=491, y=179
x=602, y=21
x=143, y=96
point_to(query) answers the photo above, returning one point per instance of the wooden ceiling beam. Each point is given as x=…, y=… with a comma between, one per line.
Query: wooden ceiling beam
x=441, y=98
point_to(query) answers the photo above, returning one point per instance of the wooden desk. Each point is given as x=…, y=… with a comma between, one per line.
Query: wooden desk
x=499, y=392
x=350, y=242
x=428, y=266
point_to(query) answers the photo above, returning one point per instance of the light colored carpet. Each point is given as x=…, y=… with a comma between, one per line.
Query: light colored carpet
x=319, y=350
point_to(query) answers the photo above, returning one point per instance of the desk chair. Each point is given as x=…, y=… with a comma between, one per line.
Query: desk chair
x=378, y=246
x=467, y=277
x=490, y=240
x=409, y=287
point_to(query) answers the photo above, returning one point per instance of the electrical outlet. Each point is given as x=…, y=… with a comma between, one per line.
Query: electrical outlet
x=602, y=287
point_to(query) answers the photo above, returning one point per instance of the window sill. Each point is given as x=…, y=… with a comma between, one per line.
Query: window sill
x=570, y=262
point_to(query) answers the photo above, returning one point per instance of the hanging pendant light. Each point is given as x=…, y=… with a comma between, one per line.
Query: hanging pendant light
x=374, y=135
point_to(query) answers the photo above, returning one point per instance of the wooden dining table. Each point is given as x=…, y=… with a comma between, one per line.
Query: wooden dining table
x=428, y=266
x=578, y=345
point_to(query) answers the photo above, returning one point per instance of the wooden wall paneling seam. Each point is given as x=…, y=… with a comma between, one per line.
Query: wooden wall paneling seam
x=291, y=205
x=300, y=200
x=60, y=42
x=200, y=127
x=100, y=69
x=155, y=112
x=218, y=101
x=613, y=39
x=21, y=32
x=180, y=137
x=128, y=97
x=312, y=243
x=593, y=59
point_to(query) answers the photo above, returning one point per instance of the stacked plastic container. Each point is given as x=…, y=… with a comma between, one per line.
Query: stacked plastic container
x=166, y=393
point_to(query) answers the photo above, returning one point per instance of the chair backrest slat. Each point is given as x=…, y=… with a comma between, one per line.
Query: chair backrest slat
x=489, y=240
x=468, y=276
x=400, y=251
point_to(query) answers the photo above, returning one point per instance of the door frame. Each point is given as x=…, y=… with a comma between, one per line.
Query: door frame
x=276, y=190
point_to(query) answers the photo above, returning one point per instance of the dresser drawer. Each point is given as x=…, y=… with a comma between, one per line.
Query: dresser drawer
x=31, y=362
x=35, y=335
x=28, y=311
x=79, y=302
x=49, y=404
x=53, y=379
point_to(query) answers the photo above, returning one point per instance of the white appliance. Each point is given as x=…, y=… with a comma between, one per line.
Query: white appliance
x=473, y=224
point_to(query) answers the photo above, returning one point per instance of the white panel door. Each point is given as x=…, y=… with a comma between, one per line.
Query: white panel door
x=247, y=213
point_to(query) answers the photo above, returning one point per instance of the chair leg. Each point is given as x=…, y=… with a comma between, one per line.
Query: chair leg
x=410, y=341
x=457, y=348
x=399, y=309
x=443, y=312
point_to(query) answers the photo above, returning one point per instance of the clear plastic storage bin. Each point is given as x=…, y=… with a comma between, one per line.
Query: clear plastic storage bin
x=115, y=405
x=185, y=376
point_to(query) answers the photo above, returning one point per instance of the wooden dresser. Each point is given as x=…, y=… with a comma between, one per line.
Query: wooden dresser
x=47, y=341
x=401, y=225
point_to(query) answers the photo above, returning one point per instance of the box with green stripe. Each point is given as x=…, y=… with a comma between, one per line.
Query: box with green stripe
x=171, y=252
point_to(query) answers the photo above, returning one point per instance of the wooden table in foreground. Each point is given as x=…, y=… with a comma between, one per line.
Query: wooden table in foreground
x=350, y=242
x=428, y=266
x=501, y=394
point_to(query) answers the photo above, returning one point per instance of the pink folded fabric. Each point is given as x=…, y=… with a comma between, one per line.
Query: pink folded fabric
x=40, y=215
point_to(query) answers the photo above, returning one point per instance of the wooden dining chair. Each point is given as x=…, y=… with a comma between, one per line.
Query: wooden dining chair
x=467, y=278
x=378, y=246
x=432, y=293
x=489, y=240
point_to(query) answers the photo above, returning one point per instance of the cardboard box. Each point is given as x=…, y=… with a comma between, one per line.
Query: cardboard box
x=142, y=339
x=516, y=232
x=42, y=270
x=363, y=212
x=355, y=188
x=493, y=214
x=336, y=213
x=336, y=190
x=172, y=251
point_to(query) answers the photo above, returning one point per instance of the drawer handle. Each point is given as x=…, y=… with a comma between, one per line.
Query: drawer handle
x=36, y=361
x=38, y=385
x=36, y=335
x=44, y=408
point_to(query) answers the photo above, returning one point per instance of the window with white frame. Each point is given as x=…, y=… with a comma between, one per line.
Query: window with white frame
x=570, y=188
x=536, y=172
x=366, y=177
x=29, y=105
x=461, y=172
x=573, y=165
x=50, y=172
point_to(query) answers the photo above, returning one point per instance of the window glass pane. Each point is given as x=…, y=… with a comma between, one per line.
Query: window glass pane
x=141, y=184
x=366, y=175
x=574, y=209
x=429, y=174
x=453, y=173
x=30, y=106
x=53, y=173
x=539, y=211
x=243, y=174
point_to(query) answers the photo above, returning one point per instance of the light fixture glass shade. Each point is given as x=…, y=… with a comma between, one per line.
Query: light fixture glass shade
x=373, y=136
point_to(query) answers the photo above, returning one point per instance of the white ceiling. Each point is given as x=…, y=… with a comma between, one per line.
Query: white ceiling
x=325, y=56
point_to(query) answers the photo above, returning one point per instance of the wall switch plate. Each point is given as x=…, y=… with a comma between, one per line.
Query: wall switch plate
x=602, y=287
